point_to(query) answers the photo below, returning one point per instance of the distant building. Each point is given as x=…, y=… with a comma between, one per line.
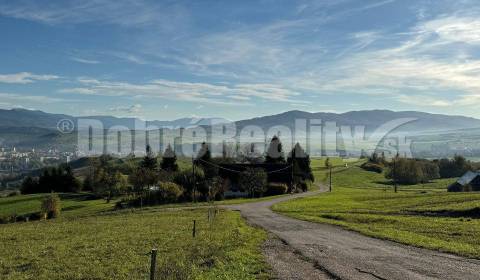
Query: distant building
x=469, y=182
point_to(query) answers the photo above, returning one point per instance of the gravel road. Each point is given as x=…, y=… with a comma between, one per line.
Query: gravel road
x=306, y=250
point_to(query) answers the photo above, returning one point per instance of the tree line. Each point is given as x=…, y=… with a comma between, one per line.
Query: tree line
x=154, y=180
x=410, y=171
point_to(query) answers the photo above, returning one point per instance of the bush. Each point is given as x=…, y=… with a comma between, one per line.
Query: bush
x=14, y=193
x=185, y=179
x=276, y=189
x=372, y=167
x=254, y=181
x=51, y=206
x=305, y=185
x=169, y=192
x=217, y=188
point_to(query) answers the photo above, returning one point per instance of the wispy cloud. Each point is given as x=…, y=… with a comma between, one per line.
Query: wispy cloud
x=14, y=97
x=85, y=61
x=434, y=57
x=186, y=91
x=128, y=57
x=424, y=55
x=133, y=109
x=25, y=78
x=120, y=12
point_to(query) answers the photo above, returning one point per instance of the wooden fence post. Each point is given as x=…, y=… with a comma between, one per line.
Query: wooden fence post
x=194, y=228
x=153, y=263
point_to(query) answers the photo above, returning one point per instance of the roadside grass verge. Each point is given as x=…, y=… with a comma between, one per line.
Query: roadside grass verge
x=115, y=247
x=423, y=215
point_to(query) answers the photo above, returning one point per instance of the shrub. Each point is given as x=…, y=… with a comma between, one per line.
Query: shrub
x=30, y=185
x=14, y=193
x=169, y=192
x=372, y=167
x=276, y=189
x=217, y=188
x=254, y=181
x=51, y=206
x=185, y=179
x=305, y=185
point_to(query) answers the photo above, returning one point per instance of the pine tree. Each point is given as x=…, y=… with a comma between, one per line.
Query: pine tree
x=301, y=164
x=149, y=161
x=169, y=160
x=275, y=151
x=204, y=159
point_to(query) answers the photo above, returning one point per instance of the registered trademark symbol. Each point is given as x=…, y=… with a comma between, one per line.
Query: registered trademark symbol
x=65, y=126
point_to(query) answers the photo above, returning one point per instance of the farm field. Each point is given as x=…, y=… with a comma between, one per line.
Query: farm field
x=73, y=205
x=423, y=215
x=81, y=205
x=114, y=246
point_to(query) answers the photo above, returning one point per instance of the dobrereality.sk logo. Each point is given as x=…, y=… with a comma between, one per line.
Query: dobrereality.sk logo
x=318, y=137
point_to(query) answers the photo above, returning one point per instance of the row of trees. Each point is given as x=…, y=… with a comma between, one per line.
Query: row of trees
x=54, y=179
x=152, y=181
x=414, y=171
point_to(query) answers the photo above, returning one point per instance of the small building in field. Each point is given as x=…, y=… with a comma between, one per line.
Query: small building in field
x=469, y=182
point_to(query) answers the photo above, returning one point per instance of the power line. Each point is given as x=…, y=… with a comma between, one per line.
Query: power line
x=237, y=171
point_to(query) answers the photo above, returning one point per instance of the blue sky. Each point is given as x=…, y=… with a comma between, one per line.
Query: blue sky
x=239, y=59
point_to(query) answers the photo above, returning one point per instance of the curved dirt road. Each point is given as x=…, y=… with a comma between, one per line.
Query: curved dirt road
x=336, y=253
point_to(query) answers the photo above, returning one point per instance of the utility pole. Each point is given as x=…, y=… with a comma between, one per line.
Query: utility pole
x=330, y=177
x=291, y=169
x=194, y=181
x=395, y=174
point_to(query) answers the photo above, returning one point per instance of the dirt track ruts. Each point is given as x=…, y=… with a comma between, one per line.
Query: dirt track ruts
x=342, y=254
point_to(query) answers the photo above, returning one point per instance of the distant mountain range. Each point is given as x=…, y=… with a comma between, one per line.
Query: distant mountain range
x=371, y=119
x=27, y=128
x=31, y=118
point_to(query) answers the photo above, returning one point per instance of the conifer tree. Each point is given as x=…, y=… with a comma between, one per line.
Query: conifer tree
x=275, y=151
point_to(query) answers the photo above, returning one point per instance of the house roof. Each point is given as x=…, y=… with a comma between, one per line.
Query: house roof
x=468, y=177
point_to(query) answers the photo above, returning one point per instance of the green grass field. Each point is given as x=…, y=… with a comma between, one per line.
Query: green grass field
x=423, y=215
x=114, y=246
x=81, y=205
x=73, y=205
x=91, y=241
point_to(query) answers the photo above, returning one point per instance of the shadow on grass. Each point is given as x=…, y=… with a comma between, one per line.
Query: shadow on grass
x=473, y=213
x=77, y=197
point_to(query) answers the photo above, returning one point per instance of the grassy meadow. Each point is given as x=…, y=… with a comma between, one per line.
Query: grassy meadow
x=73, y=205
x=424, y=215
x=114, y=246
